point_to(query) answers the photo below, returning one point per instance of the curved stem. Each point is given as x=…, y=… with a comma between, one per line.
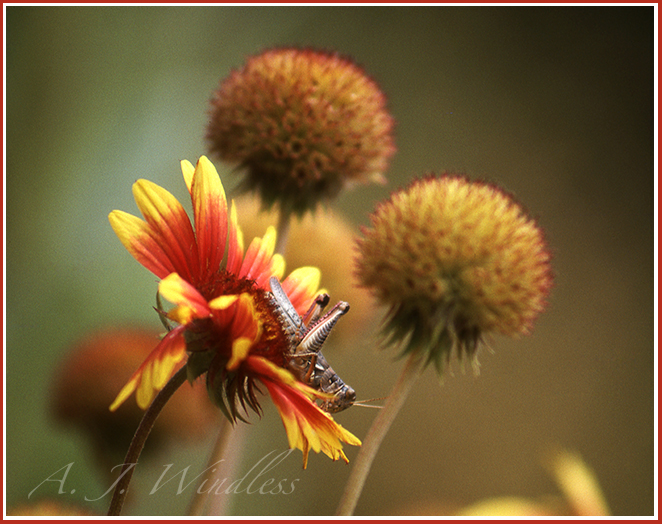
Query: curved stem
x=376, y=434
x=139, y=439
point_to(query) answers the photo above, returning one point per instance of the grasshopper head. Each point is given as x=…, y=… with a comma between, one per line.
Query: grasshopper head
x=341, y=401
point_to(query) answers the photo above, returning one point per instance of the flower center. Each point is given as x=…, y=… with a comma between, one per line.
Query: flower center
x=273, y=343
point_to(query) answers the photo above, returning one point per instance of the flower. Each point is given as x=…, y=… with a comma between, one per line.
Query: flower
x=304, y=124
x=578, y=483
x=454, y=259
x=581, y=493
x=226, y=321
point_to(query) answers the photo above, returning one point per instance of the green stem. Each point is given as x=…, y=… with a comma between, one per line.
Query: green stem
x=139, y=439
x=412, y=370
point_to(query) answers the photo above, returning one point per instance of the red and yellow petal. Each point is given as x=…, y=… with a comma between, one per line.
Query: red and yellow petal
x=155, y=371
x=170, y=225
x=246, y=322
x=187, y=171
x=306, y=425
x=210, y=211
x=276, y=268
x=223, y=302
x=141, y=242
x=260, y=264
x=240, y=350
x=235, y=243
x=302, y=286
x=191, y=304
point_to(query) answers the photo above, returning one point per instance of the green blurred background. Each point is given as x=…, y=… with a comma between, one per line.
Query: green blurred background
x=553, y=103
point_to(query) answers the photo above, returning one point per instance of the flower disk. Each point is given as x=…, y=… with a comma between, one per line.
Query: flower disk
x=454, y=259
x=304, y=124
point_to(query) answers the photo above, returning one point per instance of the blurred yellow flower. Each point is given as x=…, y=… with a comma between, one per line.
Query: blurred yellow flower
x=580, y=496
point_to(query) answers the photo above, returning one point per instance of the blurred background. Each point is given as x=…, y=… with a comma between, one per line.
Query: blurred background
x=553, y=103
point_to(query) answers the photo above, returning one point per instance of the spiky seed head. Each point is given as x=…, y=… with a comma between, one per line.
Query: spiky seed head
x=304, y=124
x=454, y=259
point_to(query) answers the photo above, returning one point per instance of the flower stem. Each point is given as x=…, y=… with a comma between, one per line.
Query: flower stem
x=139, y=439
x=282, y=232
x=196, y=507
x=234, y=449
x=412, y=370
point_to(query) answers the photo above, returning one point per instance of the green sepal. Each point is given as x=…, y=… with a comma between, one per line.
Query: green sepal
x=198, y=363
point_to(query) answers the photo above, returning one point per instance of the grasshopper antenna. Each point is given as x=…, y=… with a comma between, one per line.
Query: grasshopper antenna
x=362, y=403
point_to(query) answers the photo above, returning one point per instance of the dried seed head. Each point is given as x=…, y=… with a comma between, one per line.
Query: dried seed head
x=304, y=124
x=454, y=259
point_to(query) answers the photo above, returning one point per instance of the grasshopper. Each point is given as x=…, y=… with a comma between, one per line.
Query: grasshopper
x=306, y=336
